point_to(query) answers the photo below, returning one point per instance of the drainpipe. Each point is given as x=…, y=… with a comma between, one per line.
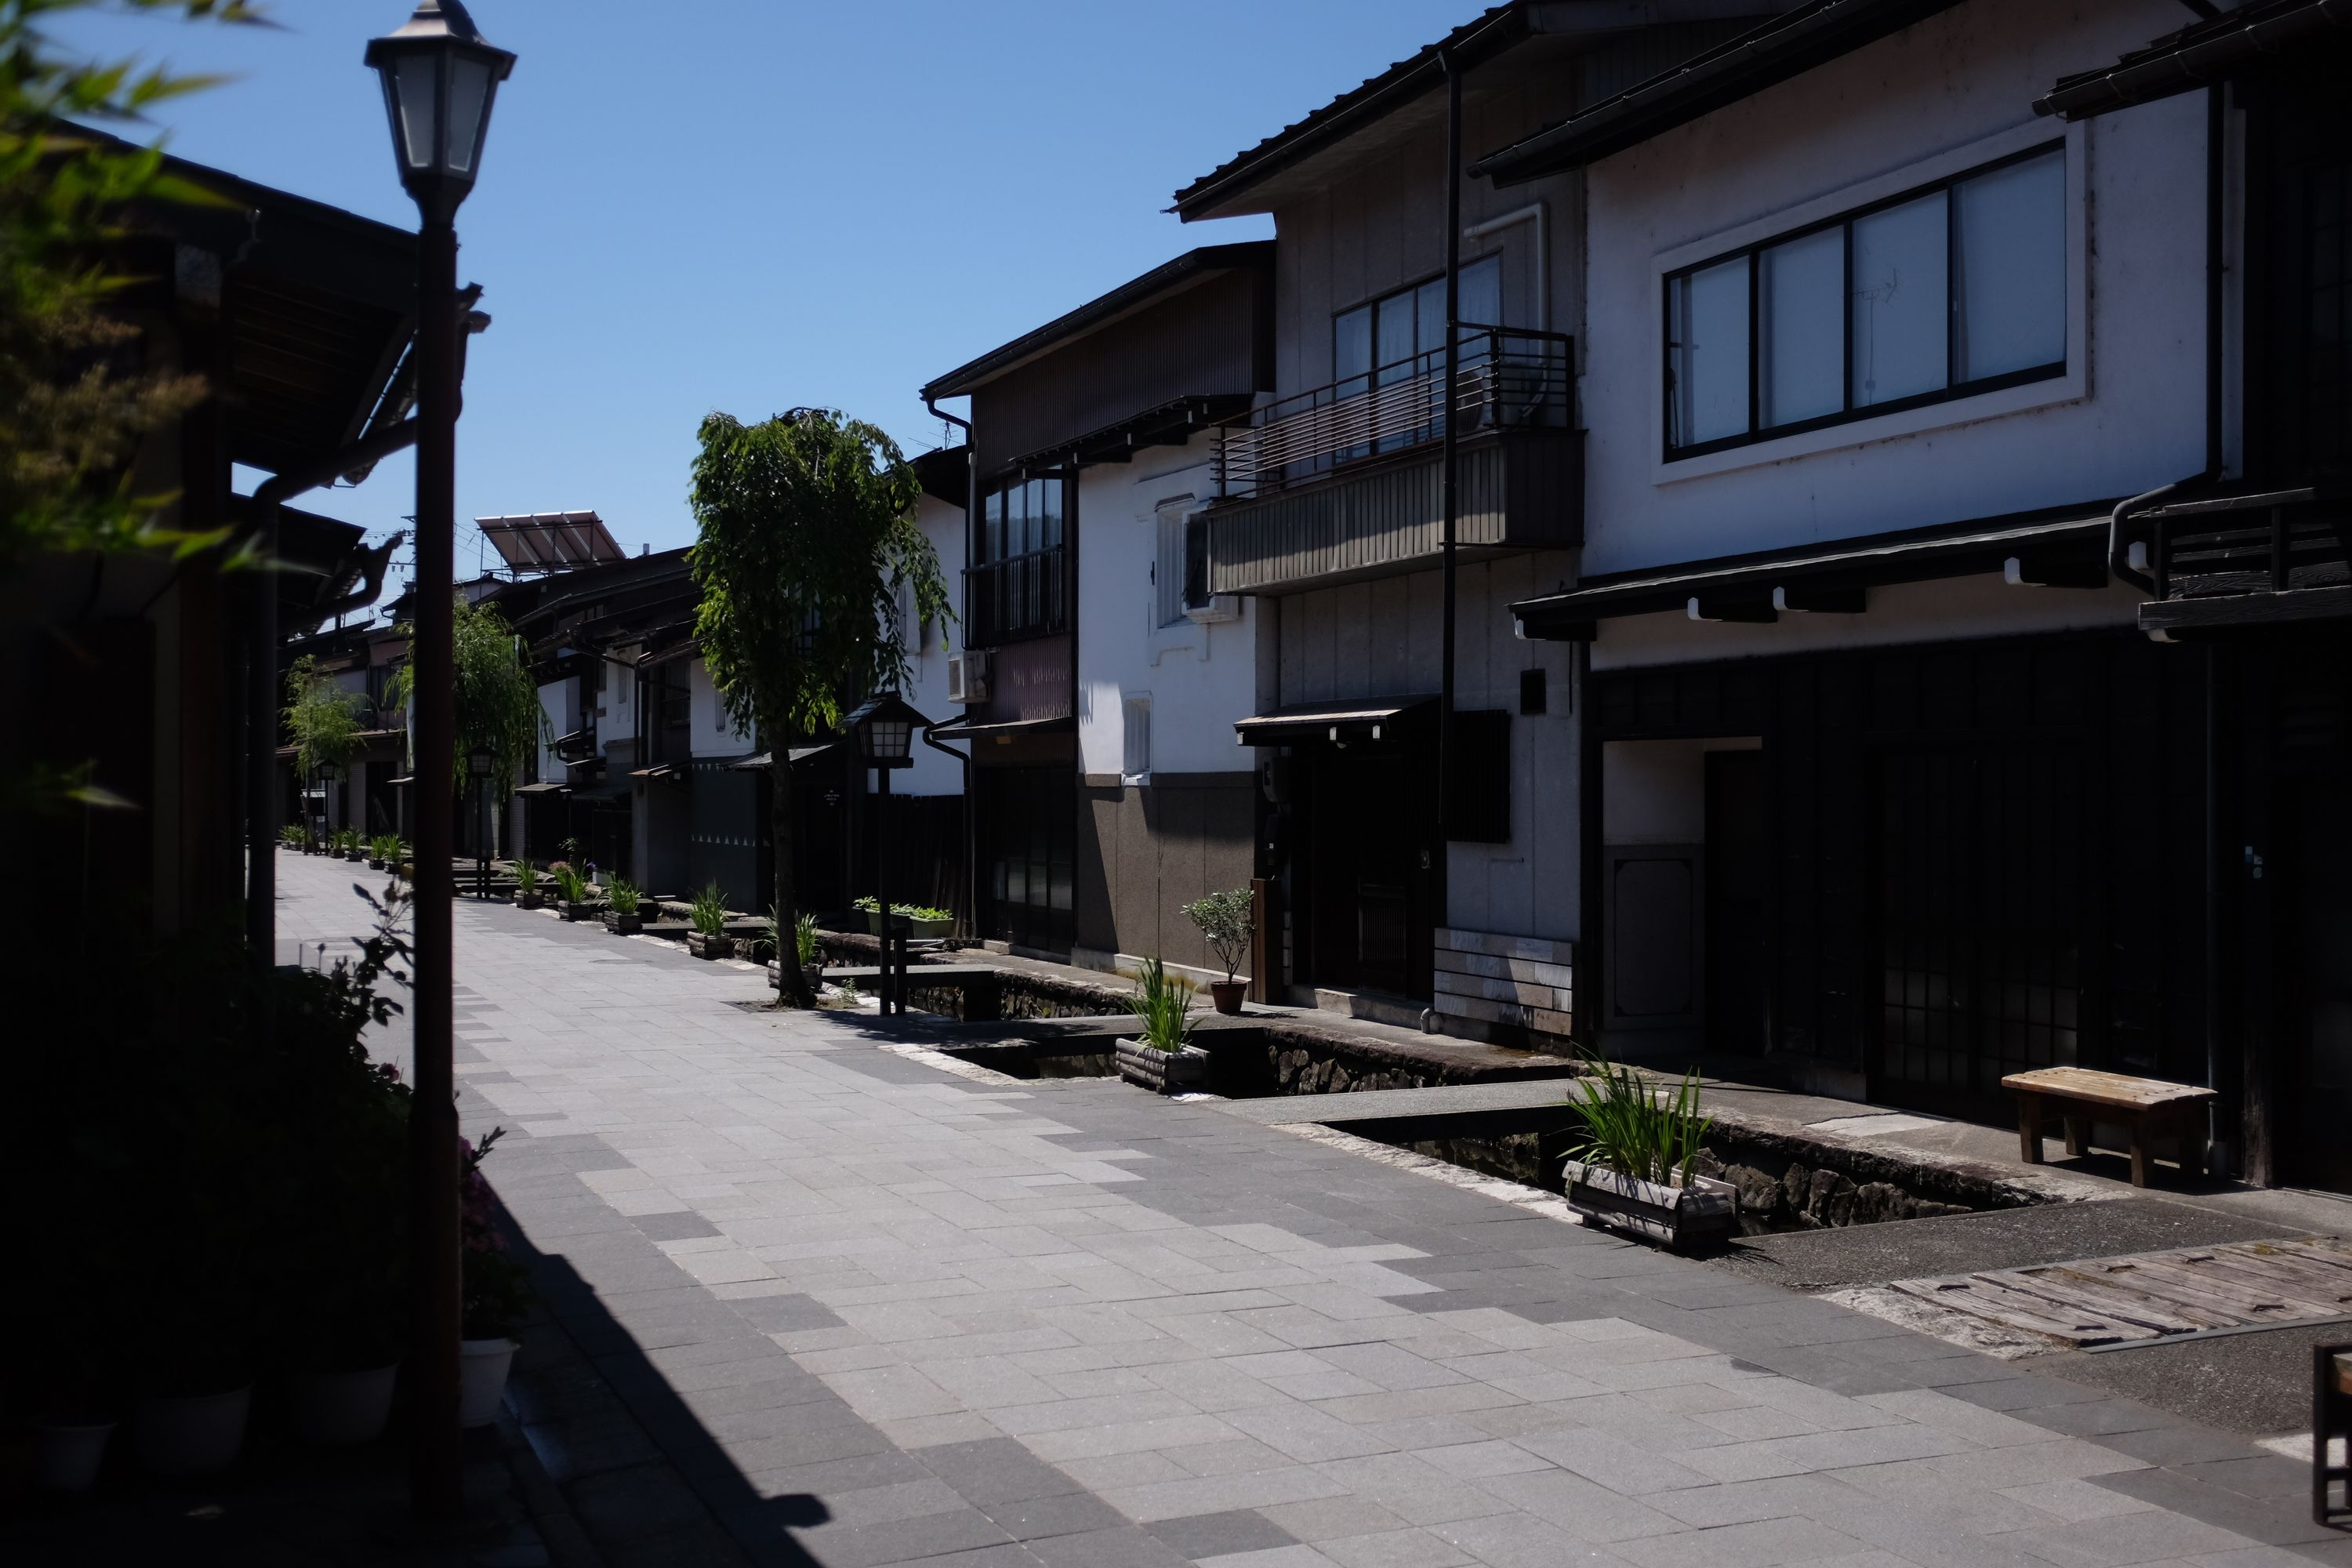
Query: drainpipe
x=1449, y=488
x=970, y=805
x=1532, y=213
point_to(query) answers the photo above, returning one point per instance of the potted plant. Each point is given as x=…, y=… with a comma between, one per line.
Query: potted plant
x=708, y=938
x=294, y=836
x=353, y=848
x=1224, y=920
x=1164, y=1059
x=1631, y=1170
x=927, y=921
x=496, y=1293
x=527, y=886
x=571, y=891
x=622, y=919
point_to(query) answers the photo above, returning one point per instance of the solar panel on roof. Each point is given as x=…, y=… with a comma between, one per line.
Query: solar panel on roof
x=550, y=540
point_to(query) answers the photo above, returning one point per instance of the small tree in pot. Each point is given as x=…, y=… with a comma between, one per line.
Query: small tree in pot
x=1226, y=920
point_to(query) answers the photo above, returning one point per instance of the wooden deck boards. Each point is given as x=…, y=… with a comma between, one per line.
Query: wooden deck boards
x=2157, y=1295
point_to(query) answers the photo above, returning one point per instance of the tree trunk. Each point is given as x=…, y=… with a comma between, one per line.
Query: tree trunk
x=791, y=992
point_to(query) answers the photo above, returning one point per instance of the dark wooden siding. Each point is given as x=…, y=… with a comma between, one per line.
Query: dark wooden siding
x=2105, y=730
x=1145, y=852
x=1208, y=341
x=1517, y=493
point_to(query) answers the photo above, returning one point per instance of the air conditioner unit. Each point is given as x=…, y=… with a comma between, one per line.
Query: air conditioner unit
x=967, y=678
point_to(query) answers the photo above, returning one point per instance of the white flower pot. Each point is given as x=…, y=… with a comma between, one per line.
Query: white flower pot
x=66, y=1459
x=482, y=1367
x=181, y=1439
x=343, y=1409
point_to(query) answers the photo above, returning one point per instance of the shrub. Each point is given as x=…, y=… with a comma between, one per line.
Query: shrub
x=384, y=847
x=710, y=910
x=570, y=885
x=526, y=878
x=1162, y=1004
x=625, y=896
x=1224, y=920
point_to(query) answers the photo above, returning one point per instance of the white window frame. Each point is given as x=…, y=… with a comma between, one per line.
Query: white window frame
x=2072, y=386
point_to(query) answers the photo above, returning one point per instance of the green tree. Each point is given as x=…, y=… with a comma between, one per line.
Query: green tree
x=498, y=699
x=806, y=539
x=75, y=397
x=322, y=717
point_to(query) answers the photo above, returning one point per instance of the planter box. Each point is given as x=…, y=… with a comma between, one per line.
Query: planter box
x=527, y=901
x=914, y=927
x=703, y=946
x=585, y=909
x=620, y=924
x=1677, y=1215
x=374, y=864
x=1162, y=1072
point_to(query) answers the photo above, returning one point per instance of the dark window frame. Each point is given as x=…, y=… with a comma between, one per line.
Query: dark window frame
x=1372, y=302
x=1752, y=252
x=993, y=624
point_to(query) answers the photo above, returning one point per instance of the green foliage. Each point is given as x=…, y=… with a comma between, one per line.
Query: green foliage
x=1224, y=920
x=526, y=878
x=294, y=836
x=495, y=1288
x=1162, y=1004
x=496, y=696
x=384, y=847
x=322, y=717
x=76, y=393
x=570, y=885
x=1635, y=1129
x=625, y=896
x=709, y=915
x=806, y=538
x=872, y=906
x=805, y=939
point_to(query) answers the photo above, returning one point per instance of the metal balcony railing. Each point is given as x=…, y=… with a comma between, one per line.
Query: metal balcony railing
x=1507, y=379
x=2273, y=541
x=1015, y=599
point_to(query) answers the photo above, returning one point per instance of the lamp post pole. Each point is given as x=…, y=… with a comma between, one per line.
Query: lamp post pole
x=439, y=76
x=436, y=1489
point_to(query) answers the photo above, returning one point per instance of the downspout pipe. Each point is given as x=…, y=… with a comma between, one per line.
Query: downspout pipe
x=970, y=804
x=1534, y=212
x=1450, y=501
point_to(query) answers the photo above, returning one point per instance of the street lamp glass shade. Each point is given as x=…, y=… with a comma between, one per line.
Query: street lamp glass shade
x=889, y=740
x=439, y=76
x=481, y=762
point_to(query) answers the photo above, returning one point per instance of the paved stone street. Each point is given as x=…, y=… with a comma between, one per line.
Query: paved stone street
x=811, y=1301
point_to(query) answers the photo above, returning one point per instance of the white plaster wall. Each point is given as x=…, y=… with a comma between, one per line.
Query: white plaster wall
x=934, y=773
x=1655, y=791
x=560, y=700
x=712, y=732
x=1957, y=81
x=1382, y=638
x=1201, y=678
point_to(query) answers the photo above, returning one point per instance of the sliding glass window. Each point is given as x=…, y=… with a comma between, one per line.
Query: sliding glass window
x=1942, y=292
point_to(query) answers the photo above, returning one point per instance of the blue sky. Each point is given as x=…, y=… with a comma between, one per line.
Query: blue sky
x=750, y=205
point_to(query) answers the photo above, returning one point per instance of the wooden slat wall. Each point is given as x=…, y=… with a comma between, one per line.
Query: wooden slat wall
x=1519, y=981
x=1521, y=493
x=1204, y=341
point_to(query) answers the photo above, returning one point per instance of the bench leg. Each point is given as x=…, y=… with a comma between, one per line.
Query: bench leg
x=2028, y=1129
x=2139, y=1150
x=2078, y=1136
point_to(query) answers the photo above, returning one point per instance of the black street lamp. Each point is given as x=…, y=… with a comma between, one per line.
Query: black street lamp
x=439, y=77
x=480, y=763
x=883, y=729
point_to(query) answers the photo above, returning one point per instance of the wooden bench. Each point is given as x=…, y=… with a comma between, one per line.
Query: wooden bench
x=2144, y=1106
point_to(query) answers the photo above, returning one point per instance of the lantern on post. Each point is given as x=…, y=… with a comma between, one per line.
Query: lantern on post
x=882, y=731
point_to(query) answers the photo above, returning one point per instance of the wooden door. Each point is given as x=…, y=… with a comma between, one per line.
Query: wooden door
x=1737, y=924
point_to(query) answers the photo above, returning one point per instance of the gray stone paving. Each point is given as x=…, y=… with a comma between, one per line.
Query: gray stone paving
x=813, y=1302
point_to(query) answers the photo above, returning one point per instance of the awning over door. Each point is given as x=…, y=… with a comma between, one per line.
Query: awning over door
x=1351, y=718
x=963, y=729
x=760, y=761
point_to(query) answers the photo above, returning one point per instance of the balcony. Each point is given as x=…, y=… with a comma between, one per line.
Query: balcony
x=2264, y=558
x=1345, y=481
x=1017, y=599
